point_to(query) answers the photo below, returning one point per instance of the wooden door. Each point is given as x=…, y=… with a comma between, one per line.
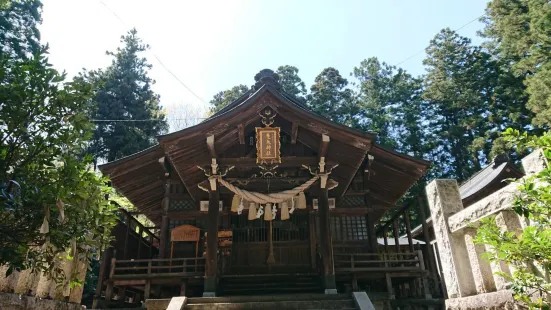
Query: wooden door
x=250, y=247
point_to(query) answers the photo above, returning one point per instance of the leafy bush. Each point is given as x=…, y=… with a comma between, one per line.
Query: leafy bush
x=527, y=251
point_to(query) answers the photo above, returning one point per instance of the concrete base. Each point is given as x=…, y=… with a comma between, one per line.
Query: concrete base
x=209, y=294
x=157, y=304
x=331, y=291
x=362, y=301
x=494, y=300
x=177, y=303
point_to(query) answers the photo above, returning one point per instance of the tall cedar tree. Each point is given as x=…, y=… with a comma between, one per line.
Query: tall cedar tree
x=19, y=35
x=223, y=98
x=390, y=104
x=331, y=97
x=291, y=83
x=521, y=32
x=456, y=90
x=123, y=92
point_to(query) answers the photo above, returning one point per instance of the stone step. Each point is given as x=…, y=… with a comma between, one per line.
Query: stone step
x=277, y=305
x=282, y=297
x=264, y=291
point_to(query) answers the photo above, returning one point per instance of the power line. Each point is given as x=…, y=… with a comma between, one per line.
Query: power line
x=155, y=55
x=419, y=52
x=146, y=120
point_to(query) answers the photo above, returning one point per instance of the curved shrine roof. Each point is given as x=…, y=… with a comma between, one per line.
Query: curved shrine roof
x=142, y=178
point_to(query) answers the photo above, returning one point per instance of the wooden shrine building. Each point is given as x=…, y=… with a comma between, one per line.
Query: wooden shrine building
x=261, y=191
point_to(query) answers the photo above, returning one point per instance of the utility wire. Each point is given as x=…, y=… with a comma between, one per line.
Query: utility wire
x=419, y=52
x=155, y=55
x=146, y=120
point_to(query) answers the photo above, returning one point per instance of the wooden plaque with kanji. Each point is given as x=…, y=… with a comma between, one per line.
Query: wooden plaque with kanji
x=268, y=145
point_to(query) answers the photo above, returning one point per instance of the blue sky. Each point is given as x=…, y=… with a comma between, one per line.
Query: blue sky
x=214, y=45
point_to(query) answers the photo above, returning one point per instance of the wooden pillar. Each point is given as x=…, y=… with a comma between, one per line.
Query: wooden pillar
x=140, y=240
x=371, y=234
x=122, y=294
x=396, y=236
x=426, y=233
x=150, y=246
x=147, y=288
x=164, y=234
x=408, y=229
x=183, y=287
x=385, y=237
x=212, y=243
x=128, y=220
x=313, y=242
x=326, y=244
x=103, y=269
x=163, y=242
x=109, y=289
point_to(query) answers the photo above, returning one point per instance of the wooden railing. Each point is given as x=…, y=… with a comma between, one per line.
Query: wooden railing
x=151, y=268
x=383, y=262
x=387, y=265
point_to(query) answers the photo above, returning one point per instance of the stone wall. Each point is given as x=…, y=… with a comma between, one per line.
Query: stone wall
x=18, y=302
x=27, y=283
x=471, y=282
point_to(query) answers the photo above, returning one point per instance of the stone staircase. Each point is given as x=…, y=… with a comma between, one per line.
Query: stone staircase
x=274, y=284
x=266, y=302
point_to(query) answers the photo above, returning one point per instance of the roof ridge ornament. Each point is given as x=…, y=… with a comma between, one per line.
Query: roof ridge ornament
x=267, y=77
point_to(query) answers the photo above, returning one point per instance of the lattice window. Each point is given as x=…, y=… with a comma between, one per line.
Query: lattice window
x=181, y=205
x=351, y=202
x=346, y=228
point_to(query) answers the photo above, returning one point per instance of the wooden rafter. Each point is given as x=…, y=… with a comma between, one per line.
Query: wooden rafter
x=241, y=133
x=294, y=133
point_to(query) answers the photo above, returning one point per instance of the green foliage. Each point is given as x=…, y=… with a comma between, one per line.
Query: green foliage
x=123, y=91
x=223, y=98
x=45, y=174
x=520, y=31
x=472, y=97
x=291, y=82
x=330, y=97
x=390, y=105
x=19, y=35
x=528, y=251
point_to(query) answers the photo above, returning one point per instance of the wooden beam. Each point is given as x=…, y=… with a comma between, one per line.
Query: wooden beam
x=324, y=145
x=250, y=162
x=294, y=133
x=241, y=133
x=210, y=144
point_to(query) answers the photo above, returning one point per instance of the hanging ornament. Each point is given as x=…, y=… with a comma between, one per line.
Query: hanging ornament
x=61, y=206
x=284, y=211
x=274, y=211
x=241, y=207
x=252, y=211
x=45, y=228
x=301, y=203
x=235, y=203
x=292, y=205
x=260, y=212
x=268, y=213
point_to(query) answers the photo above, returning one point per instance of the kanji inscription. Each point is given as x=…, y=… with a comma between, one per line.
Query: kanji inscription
x=268, y=145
